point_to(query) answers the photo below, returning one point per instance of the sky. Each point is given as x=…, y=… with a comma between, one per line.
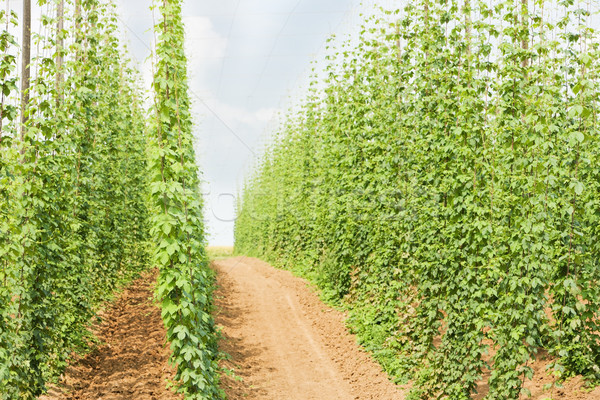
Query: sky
x=245, y=59
x=247, y=63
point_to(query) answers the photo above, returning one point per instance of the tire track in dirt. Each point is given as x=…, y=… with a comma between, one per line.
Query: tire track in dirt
x=285, y=343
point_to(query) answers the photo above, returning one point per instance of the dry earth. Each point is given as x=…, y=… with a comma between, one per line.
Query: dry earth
x=285, y=343
x=131, y=362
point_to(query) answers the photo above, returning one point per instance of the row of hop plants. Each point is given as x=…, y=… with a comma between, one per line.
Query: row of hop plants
x=72, y=213
x=185, y=281
x=442, y=182
x=78, y=167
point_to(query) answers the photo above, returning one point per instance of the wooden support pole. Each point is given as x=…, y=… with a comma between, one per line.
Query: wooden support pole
x=25, y=65
x=60, y=44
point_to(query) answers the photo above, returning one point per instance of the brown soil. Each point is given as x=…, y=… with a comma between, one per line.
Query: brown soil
x=132, y=361
x=285, y=344
x=283, y=341
x=572, y=389
x=543, y=386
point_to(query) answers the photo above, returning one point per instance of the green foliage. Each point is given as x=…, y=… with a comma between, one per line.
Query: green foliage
x=177, y=224
x=75, y=182
x=73, y=195
x=443, y=185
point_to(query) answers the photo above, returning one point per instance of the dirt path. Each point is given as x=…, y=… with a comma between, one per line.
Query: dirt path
x=285, y=344
x=132, y=361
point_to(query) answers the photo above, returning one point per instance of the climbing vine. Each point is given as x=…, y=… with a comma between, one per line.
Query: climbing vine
x=91, y=189
x=440, y=182
x=73, y=188
x=177, y=222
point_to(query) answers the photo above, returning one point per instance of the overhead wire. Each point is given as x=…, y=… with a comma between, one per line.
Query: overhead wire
x=287, y=20
x=212, y=111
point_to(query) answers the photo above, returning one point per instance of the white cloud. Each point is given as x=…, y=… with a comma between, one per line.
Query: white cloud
x=234, y=115
x=235, y=66
x=203, y=44
x=267, y=114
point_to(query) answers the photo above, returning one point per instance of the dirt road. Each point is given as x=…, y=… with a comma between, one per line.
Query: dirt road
x=285, y=344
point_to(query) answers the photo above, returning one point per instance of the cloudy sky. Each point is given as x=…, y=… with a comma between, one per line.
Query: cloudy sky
x=246, y=56
x=247, y=61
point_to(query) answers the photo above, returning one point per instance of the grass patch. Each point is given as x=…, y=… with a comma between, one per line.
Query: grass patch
x=219, y=252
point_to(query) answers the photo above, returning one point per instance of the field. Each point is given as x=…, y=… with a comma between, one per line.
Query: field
x=441, y=184
x=98, y=187
x=218, y=252
x=423, y=224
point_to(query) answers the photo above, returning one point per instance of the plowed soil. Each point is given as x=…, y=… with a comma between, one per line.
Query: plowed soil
x=285, y=343
x=132, y=361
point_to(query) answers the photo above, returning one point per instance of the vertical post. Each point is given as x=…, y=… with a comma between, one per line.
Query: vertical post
x=2, y=94
x=78, y=34
x=60, y=43
x=525, y=27
x=468, y=24
x=25, y=61
x=426, y=19
x=398, y=42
